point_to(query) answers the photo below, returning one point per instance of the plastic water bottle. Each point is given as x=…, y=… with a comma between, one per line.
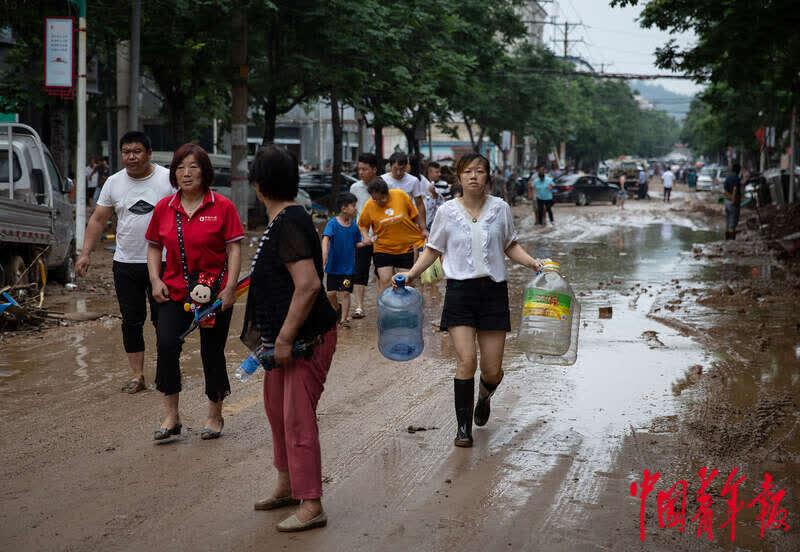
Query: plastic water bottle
x=247, y=368
x=400, y=322
x=551, y=315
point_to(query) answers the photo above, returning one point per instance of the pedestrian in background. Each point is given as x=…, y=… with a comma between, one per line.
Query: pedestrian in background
x=642, y=181
x=340, y=241
x=92, y=177
x=473, y=235
x=132, y=194
x=622, y=193
x=510, y=194
x=437, y=193
x=541, y=190
x=732, y=188
x=668, y=178
x=201, y=234
x=287, y=309
x=103, y=172
x=367, y=168
x=394, y=221
x=691, y=178
x=399, y=179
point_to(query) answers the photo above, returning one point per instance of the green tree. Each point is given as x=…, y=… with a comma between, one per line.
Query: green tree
x=747, y=50
x=186, y=51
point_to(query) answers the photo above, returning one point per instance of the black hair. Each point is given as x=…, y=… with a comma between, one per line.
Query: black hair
x=378, y=186
x=398, y=157
x=275, y=172
x=368, y=158
x=467, y=159
x=136, y=137
x=416, y=165
x=434, y=165
x=737, y=168
x=345, y=198
x=200, y=156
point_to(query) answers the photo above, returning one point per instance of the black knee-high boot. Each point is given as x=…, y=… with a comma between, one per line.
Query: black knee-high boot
x=483, y=407
x=464, y=391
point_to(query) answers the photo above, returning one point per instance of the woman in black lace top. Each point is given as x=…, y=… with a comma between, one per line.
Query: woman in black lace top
x=287, y=308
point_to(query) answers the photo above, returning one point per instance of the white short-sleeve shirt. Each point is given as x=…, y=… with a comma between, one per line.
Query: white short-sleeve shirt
x=134, y=199
x=473, y=249
x=409, y=184
x=359, y=189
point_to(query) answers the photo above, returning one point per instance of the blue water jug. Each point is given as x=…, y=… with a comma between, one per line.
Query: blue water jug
x=400, y=322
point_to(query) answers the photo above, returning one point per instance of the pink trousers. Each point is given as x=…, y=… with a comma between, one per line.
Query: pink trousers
x=291, y=394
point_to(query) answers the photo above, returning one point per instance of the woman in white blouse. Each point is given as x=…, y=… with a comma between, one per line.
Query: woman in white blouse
x=473, y=234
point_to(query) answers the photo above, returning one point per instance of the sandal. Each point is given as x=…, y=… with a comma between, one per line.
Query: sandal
x=209, y=433
x=359, y=313
x=134, y=386
x=166, y=432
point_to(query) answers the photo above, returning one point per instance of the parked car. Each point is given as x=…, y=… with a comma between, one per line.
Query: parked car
x=319, y=184
x=222, y=184
x=584, y=189
x=710, y=179
x=37, y=219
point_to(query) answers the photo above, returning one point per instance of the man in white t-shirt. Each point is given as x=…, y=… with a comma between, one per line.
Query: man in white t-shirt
x=367, y=172
x=132, y=193
x=667, y=179
x=397, y=178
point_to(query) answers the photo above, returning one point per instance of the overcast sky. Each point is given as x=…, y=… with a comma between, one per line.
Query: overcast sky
x=613, y=37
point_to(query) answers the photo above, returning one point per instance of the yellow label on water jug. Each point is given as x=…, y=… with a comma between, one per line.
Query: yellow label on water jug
x=540, y=302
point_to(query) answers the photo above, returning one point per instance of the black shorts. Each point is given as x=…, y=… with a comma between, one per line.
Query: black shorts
x=337, y=282
x=363, y=260
x=402, y=260
x=480, y=303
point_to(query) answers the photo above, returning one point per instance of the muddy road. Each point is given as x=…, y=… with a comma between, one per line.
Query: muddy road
x=698, y=366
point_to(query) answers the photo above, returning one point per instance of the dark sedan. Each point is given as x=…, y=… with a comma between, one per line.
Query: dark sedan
x=318, y=184
x=583, y=190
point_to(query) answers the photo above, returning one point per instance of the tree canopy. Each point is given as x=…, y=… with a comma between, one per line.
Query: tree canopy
x=406, y=63
x=747, y=50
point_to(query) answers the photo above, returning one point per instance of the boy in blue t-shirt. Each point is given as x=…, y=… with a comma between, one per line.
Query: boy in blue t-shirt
x=339, y=242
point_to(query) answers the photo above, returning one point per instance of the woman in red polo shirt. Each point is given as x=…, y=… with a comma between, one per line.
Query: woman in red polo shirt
x=201, y=231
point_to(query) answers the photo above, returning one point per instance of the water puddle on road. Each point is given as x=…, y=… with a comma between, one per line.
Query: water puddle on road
x=86, y=356
x=576, y=417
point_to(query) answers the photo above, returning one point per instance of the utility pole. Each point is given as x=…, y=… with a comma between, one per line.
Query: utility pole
x=123, y=91
x=566, y=38
x=239, y=111
x=792, y=162
x=80, y=162
x=133, y=102
x=430, y=141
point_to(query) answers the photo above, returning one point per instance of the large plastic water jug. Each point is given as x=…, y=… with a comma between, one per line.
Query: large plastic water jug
x=551, y=317
x=400, y=322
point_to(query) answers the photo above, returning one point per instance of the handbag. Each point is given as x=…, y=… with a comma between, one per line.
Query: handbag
x=433, y=273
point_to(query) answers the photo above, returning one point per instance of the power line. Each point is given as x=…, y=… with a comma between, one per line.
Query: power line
x=620, y=76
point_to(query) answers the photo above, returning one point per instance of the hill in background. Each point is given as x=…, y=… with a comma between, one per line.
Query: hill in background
x=662, y=99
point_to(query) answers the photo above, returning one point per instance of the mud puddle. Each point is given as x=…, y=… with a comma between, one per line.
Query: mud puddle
x=550, y=471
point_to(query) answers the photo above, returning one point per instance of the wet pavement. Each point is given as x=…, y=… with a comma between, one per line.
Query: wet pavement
x=668, y=383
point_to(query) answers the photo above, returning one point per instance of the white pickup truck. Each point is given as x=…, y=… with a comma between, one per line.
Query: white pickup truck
x=36, y=217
